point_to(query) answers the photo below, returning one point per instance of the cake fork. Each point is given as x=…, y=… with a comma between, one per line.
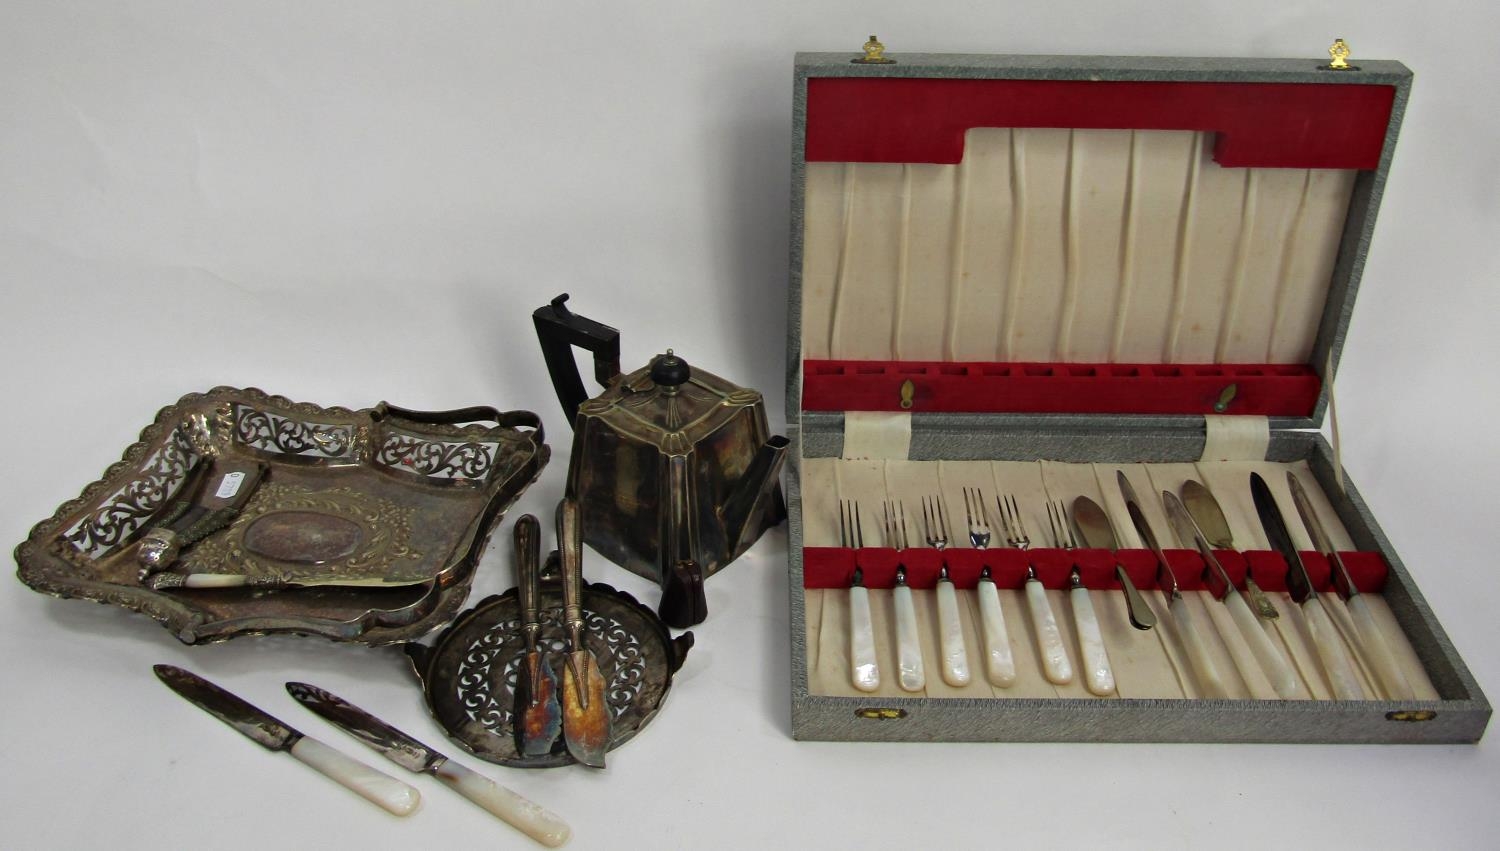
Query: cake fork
x=955, y=657
x=1000, y=662
x=1055, y=663
x=864, y=669
x=1097, y=675
x=910, y=673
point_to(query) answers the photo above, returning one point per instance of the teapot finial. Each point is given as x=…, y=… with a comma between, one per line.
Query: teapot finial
x=669, y=370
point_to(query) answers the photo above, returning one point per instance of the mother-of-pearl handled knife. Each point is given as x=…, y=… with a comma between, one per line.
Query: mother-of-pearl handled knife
x=999, y=661
x=386, y=792
x=1272, y=663
x=910, y=673
x=518, y=812
x=1370, y=638
x=864, y=669
x=1336, y=662
x=1202, y=663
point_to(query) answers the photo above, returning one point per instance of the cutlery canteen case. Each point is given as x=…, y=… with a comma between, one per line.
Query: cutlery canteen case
x=1024, y=274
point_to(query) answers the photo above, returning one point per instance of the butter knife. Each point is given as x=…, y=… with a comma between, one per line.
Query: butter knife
x=1275, y=665
x=386, y=792
x=1205, y=511
x=1371, y=642
x=1187, y=625
x=396, y=746
x=1325, y=638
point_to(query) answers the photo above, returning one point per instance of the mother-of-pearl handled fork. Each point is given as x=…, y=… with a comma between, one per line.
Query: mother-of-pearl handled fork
x=999, y=661
x=955, y=657
x=863, y=668
x=911, y=675
x=1098, y=676
x=1055, y=664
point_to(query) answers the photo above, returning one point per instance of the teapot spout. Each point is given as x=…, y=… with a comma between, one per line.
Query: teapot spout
x=743, y=509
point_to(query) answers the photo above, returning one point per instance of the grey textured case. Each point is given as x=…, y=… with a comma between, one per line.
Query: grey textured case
x=1463, y=711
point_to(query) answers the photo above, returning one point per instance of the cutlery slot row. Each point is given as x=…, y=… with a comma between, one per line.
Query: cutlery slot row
x=833, y=567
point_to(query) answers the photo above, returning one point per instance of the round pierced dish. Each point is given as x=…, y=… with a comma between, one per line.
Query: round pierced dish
x=469, y=674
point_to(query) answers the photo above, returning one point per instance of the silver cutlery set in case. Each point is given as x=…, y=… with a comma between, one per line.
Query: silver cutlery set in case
x=1061, y=333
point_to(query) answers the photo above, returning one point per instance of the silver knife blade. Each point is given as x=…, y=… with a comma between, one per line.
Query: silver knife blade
x=381, y=737
x=1192, y=537
x=1297, y=580
x=1320, y=540
x=254, y=723
x=1165, y=578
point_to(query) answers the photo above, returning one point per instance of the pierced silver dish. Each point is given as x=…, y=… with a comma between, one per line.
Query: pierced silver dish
x=469, y=673
x=365, y=525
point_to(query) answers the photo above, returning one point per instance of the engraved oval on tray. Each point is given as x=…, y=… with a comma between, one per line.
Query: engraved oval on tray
x=305, y=537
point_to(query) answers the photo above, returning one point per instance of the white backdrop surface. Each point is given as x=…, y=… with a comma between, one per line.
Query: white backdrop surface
x=349, y=202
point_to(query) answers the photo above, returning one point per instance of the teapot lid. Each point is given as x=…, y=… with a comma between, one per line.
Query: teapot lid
x=669, y=370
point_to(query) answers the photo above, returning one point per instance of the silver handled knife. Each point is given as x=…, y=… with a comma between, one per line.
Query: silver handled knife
x=1271, y=660
x=1373, y=645
x=1331, y=653
x=1187, y=626
x=386, y=792
x=396, y=746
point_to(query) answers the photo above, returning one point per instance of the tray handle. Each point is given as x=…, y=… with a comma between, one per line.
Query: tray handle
x=472, y=414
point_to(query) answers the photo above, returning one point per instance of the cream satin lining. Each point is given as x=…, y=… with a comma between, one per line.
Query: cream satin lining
x=1146, y=664
x=1083, y=246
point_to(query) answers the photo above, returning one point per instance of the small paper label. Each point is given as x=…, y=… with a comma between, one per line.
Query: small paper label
x=230, y=485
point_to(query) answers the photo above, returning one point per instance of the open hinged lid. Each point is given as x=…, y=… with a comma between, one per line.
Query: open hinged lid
x=1081, y=235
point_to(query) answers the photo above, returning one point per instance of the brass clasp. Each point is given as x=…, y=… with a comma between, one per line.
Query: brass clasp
x=874, y=54
x=1338, y=57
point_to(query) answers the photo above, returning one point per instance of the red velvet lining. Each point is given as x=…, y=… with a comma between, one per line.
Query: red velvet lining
x=1073, y=388
x=1271, y=125
x=833, y=567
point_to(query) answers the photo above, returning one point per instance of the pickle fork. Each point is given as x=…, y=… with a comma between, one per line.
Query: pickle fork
x=1055, y=663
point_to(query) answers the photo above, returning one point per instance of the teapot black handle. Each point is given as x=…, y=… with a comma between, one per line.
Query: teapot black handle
x=559, y=330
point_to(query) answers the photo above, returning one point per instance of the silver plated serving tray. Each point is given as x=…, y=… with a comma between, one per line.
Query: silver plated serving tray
x=366, y=525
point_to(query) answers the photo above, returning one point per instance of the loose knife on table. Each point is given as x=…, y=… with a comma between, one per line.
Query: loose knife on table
x=1325, y=638
x=396, y=746
x=1374, y=646
x=386, y=792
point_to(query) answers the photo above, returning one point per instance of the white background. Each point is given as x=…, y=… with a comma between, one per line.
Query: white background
x=349, y=202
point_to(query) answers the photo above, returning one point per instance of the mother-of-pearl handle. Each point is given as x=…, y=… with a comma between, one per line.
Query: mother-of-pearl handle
x=531, y=819
x=1055, y=663
x=1204, y=669
x=1275, y=665
x=999, y=662
x=1336, y=662
x=1379, y=653
x=864, y=669
x=1097, y=675
x=951, y=636
x=911, y=676
x=386, y=792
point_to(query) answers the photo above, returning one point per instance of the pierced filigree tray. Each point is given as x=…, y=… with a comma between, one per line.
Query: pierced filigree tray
x=365, y=525
x=469, y=673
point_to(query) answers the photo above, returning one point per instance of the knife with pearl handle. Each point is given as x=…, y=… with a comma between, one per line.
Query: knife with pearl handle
x=388, y=793
x=1275, y=665
x=516, y=811
x=1336, y=662
x=1202, y=663
x=1370, y=639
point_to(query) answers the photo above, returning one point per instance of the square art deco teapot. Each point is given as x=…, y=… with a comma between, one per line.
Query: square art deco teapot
x=674, y=468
